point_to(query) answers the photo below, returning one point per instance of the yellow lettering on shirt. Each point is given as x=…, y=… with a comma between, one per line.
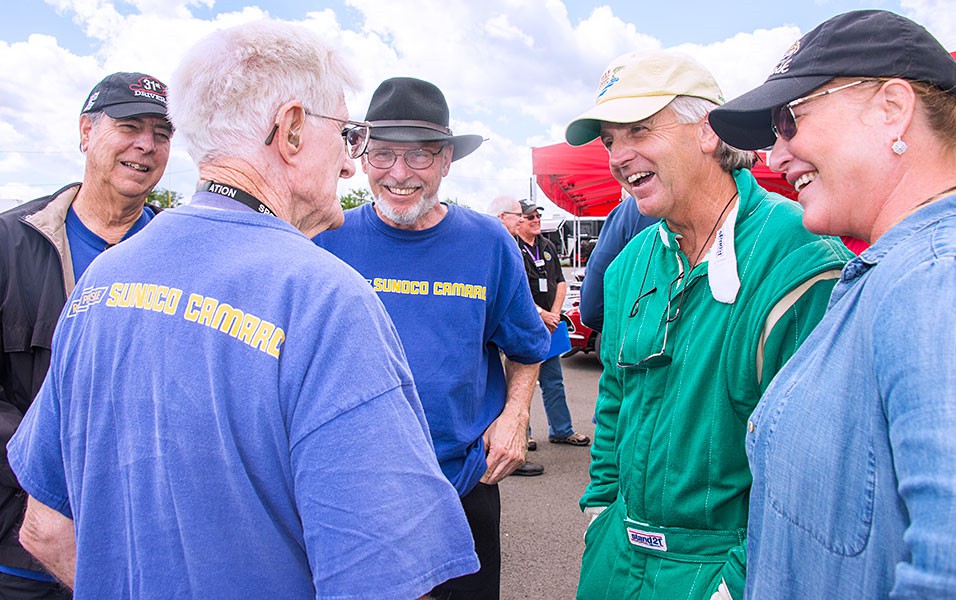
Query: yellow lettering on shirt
x=207, y=311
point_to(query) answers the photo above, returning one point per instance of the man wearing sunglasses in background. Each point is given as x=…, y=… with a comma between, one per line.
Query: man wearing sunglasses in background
x=548, y=288
x=701, y=311
x=453, y=283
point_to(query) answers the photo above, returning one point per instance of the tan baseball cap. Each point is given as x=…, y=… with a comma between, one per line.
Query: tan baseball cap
x=637, y=85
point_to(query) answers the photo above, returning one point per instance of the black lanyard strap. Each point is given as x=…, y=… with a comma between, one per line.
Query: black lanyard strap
x=233, y=193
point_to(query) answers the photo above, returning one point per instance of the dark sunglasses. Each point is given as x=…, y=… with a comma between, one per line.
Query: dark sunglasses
x=785, y=122
x=532, y=216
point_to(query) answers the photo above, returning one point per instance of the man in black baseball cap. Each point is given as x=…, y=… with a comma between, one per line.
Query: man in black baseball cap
x=842, y=46
x=123, y=95
x=45, y=245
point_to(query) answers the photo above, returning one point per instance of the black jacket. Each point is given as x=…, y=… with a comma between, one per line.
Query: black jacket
x=36, y=276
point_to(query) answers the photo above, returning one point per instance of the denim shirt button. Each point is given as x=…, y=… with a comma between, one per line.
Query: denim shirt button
x=750, y=426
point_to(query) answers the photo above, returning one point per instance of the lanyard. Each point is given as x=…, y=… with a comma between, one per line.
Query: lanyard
x=236, y=194
x=537, y=251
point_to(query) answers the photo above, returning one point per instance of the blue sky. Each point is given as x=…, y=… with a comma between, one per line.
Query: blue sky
x=514, y=71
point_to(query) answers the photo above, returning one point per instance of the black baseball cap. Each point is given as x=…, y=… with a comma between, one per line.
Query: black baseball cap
x=862, y=43
x=123, y=95
x=528, y=207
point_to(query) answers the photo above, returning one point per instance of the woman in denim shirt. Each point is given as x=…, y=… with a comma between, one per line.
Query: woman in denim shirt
x=853, y=446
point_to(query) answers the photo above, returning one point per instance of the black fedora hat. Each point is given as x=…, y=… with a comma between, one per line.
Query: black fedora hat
x=405, y=109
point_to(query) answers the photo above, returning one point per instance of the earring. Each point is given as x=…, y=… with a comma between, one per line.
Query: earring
x=899, y=146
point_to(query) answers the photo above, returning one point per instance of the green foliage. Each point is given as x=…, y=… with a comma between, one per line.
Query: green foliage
x=362, y=196
x=355, y=198
x=165, y=198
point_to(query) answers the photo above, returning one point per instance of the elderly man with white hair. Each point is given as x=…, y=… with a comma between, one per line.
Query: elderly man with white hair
x=196, y=435
x=508, y=211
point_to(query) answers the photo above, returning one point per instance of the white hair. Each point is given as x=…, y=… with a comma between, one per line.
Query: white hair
x=224, y=95
x=691, y=109
x=502, y=204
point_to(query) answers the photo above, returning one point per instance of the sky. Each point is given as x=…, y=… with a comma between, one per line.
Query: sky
x=514, y=71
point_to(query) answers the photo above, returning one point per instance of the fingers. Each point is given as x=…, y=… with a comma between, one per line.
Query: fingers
x=503, y=460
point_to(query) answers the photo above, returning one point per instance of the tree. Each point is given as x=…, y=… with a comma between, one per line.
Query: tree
x=165, y=198
x=355, y=198
x=362, y=196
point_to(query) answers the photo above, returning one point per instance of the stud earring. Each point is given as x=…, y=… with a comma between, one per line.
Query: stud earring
x=899, y=146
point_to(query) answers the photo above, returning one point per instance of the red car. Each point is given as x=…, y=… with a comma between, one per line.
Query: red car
x=583, y=338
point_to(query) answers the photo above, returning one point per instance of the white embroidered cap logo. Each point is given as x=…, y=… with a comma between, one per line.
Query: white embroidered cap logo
x=784, y=65
x=92, y=101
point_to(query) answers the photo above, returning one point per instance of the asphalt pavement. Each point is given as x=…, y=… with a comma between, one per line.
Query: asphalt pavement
x=542, y=528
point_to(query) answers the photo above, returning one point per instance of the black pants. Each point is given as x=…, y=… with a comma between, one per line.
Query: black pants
x=21, y=588
x=483, y=508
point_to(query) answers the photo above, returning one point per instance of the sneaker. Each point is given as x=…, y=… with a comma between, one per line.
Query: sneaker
x=529, y=469
x=575, y=439
x=532, y=445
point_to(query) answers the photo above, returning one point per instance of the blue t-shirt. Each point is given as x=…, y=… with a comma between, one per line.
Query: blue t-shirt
x=457, y=292
x=86, y=245
x=237, y=418
x=622, y=224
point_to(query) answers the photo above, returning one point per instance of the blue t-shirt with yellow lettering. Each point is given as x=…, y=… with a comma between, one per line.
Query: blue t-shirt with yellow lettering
x=237, y=417
x=457, y=292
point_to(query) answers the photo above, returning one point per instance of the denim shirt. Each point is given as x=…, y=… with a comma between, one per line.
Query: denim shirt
x=853, y=446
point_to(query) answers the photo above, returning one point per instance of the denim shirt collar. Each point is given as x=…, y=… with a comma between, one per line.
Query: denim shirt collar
x=894, y=236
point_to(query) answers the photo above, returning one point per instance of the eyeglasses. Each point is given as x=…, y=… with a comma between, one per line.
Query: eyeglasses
x=785, y=122
x=355, y=134
x=661, y=358
x=508, y=212
x=418, y=158
x=532, y=216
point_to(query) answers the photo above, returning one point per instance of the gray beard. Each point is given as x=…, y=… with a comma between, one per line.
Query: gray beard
x=410, y=215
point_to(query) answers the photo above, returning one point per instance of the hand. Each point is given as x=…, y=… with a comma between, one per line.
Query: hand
x=594, y=512
x=506, y=442
x=551, y=320
x=722, y=592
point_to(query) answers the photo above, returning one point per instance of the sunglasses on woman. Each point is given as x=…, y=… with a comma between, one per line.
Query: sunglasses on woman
x=785, y=122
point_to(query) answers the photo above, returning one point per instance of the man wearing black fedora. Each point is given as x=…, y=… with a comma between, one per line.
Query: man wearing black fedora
x=453, y=282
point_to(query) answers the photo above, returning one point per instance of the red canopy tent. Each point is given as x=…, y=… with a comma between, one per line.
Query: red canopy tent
x=578, y=180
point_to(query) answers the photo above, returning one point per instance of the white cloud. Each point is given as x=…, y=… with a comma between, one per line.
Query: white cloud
x=745, y=60
x=937, y=16
x=513, y=71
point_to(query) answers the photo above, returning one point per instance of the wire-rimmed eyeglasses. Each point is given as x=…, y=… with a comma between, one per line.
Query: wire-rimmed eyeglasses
x=416, y=158
x=355, y=134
